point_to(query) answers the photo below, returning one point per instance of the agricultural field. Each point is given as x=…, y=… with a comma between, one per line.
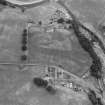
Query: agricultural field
x=47, y=43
